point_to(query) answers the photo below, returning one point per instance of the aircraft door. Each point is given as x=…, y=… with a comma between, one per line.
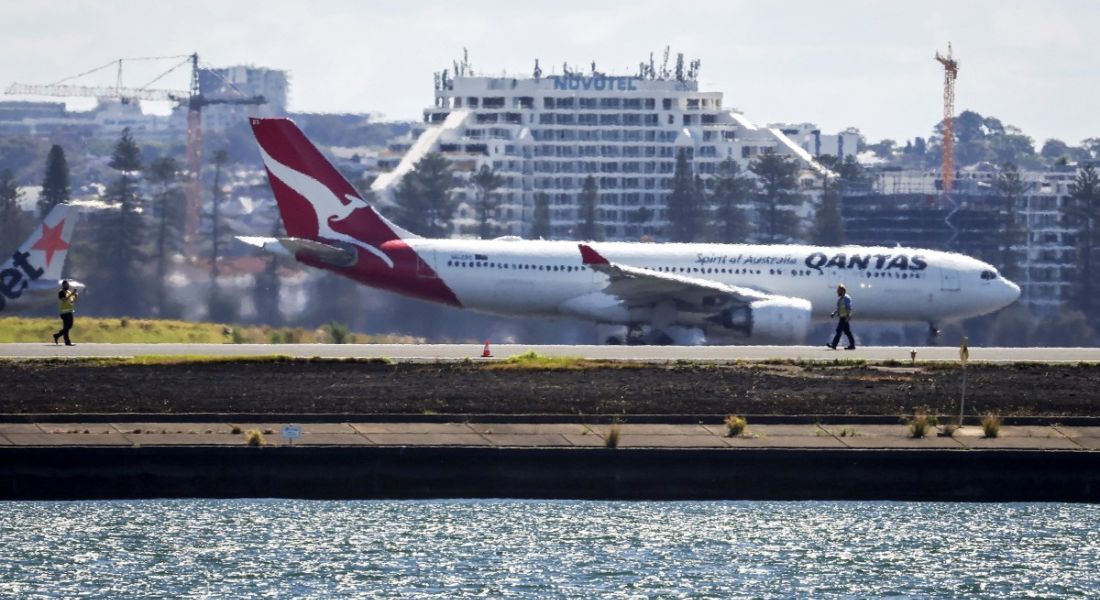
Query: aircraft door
x=949, y=280
x=425, y=264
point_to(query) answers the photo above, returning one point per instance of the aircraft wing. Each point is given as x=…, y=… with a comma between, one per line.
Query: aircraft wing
x=697, y=302
x=634, y=286
x=289, y=246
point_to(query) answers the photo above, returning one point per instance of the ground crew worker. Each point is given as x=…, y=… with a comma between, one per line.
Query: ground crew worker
x=66, y=304
x=844, y=313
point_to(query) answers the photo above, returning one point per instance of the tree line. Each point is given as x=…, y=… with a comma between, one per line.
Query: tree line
x=713, y=209
x=125, y=248
x=985, y=139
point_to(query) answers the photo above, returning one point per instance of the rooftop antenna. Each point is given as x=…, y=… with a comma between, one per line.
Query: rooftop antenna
x=664, y=64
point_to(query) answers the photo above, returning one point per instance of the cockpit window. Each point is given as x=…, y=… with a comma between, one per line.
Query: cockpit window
x=987, y=275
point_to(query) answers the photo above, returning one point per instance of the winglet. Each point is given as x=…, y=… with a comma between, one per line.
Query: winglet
x=590, y=256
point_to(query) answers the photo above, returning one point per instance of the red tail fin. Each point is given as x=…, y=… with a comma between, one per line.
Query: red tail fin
x=315, y=200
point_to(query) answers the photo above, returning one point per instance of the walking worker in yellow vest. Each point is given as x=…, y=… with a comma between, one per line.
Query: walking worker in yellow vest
x=66, y=304
x=844, y=312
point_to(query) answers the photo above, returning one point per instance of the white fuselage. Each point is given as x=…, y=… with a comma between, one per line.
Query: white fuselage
x=522, y=277
x=760, y=292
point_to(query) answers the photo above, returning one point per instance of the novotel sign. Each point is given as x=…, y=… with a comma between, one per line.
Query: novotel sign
x=595, y=82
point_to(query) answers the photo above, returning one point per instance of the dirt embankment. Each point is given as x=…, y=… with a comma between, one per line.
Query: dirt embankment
x=332, y=387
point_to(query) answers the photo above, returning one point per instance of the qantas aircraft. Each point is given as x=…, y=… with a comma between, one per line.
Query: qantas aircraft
x=692, y=293
x=32, y=276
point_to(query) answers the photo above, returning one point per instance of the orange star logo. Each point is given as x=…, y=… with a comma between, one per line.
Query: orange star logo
x=51, y=241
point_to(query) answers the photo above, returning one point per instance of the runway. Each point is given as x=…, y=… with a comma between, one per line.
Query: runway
x=445, y=352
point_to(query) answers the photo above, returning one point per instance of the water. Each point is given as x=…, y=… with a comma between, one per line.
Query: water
x=508, y=548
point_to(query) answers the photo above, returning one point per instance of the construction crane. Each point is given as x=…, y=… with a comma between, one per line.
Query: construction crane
x=950, y=73
x=192, y=98
x=62, y=88
x=195, y=101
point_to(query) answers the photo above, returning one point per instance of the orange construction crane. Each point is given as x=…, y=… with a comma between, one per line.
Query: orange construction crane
x=193, y=99
x=950, y=73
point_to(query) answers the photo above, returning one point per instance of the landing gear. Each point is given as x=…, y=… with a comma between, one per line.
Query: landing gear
x=933, y=334
x=646, y=335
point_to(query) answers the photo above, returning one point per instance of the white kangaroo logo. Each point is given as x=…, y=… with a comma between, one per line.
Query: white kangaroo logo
x=325, y=203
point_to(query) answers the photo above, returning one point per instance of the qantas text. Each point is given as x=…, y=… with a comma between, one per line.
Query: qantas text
x=820, y=261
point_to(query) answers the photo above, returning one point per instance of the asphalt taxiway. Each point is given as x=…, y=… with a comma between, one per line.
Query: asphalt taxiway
x=448, y=352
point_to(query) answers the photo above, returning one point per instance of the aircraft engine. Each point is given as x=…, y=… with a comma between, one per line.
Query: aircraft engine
x=776, y=320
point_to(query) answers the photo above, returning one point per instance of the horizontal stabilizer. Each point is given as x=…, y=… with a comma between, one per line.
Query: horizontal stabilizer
x=338, y=256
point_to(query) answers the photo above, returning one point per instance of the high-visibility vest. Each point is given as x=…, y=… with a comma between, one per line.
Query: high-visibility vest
x=66, y=304
x=844, y=306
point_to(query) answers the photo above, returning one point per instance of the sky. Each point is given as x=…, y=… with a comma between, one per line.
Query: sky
x=838, y=63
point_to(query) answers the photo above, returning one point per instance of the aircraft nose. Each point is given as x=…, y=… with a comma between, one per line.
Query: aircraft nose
x=1012, y=292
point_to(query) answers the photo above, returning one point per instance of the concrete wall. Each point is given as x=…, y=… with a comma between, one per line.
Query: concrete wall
x=613, y=474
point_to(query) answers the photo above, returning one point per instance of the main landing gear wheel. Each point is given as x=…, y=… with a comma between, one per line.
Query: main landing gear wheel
x=640, y=335
x=933, y=334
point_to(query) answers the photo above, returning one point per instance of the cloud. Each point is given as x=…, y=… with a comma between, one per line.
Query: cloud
x=854, y=62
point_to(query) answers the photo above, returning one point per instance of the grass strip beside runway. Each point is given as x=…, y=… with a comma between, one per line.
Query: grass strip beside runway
x=123, y=330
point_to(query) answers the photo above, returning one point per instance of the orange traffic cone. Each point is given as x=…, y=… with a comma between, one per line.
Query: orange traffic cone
x=486, y=353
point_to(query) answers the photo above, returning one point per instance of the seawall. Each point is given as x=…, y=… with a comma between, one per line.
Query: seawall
x=336, y=472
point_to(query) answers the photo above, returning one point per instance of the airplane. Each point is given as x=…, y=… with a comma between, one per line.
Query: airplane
x=32, y=276
x=689, y=292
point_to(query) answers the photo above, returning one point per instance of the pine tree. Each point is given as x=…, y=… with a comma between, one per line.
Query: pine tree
x=13, y=223
x=776, y=196
x=126, y=156
x=828, y=225
x=121, y=237
x=1082, y=213
x=486, y=181
x=540, y=223
x=828, y=219
x=640, y=216
x=163, y=173
x=55, y=183
x=731, y=190
x=265, y=293
x=699, y=200
x=685, y=209
x=587, y=227
x=219, y=308
x=1009, y=190
x=424, y=201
